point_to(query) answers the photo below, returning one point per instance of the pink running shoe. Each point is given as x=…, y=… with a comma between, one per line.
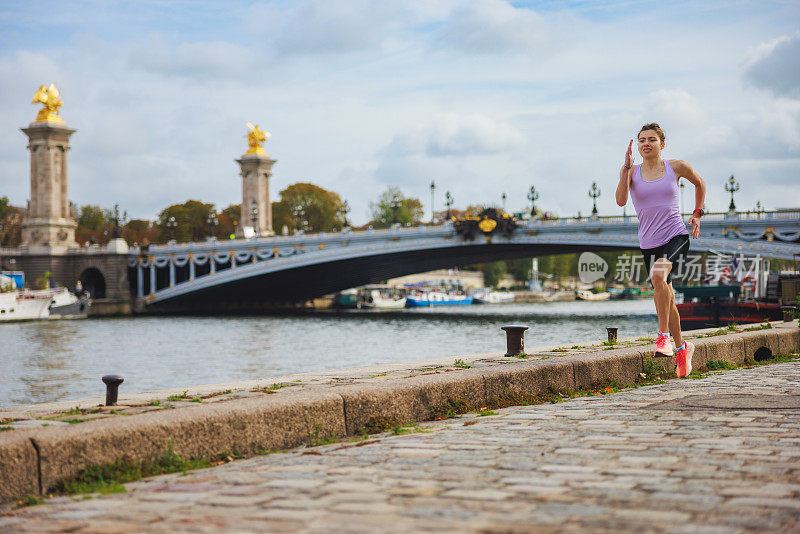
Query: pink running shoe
x=683, y=358
x=663, y=345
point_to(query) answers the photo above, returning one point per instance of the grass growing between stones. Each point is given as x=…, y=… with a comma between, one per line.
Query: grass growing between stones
x=109, y=478
x=173, y=398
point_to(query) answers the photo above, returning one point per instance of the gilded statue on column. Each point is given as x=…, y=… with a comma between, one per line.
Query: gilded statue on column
x=51, y=99
x=255, y=139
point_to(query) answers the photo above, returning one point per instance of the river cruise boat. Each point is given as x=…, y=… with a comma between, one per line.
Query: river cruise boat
x=27, y=305
x=709, y=306
x=485, y=295
x=447, y=294
x=382, y=297
x=23, y=306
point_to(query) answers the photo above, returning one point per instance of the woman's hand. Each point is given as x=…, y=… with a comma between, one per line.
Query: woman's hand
x=629, y=155
x=695, y=220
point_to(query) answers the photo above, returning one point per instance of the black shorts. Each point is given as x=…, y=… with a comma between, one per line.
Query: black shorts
x=675, y=250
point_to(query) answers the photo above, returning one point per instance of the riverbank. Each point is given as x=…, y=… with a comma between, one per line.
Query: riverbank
x=43, y=445
x=714, y=454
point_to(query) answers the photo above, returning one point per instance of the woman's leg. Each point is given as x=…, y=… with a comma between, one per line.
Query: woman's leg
x=674, y=320
x=663, y=296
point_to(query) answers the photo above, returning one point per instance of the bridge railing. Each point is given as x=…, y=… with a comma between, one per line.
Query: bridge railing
x=632, y=220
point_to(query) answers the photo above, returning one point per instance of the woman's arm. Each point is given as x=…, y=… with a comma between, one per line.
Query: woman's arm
x=625, y=174
x=684, y=170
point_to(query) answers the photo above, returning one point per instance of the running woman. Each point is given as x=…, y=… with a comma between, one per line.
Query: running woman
x=663, y=238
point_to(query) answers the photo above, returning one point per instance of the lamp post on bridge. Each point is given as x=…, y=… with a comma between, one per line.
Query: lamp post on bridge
x=298, y=212
x=731, y=187
x=533, y=196
x=254, y=217
x=395, y=205
x=212, y=222
x=448, y=201
x=344, y=210
x=433, y=207
x=503, y=196
x=594, y=192
x=171, y=224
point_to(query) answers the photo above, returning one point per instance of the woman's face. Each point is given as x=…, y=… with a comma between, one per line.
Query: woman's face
x=650, y=144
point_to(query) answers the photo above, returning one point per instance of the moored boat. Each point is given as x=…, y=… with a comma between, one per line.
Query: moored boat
x=585, y=294
x=485, y=295
x=382, y=297
x=18, y=305
x=346, y=299
x=433, y=298
x=708, y=306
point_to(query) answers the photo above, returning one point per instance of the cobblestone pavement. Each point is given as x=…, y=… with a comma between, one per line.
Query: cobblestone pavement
x=622, y=461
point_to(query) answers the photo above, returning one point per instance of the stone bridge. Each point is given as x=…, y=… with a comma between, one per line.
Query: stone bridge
x=252, y=273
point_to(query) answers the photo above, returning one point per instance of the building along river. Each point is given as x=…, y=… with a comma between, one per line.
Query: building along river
x=57, y=360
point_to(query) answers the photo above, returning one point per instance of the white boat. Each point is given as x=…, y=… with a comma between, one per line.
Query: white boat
x=488, y=296
x=381, y=297
x=65, y=305
x=26, y=305
x=18, y=305
x=585, y=294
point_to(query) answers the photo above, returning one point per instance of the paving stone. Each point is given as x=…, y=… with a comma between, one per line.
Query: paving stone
x=583, y=465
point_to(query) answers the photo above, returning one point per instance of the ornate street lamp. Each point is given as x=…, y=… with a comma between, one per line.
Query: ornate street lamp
x=299, y=216
x=344, y=210
x=533, y=196
x=396, y=203
x=503, y=197
x=731, y=187
x=212, y=222
x=433, y=208
x=171, y=224
x=118, y=221
x=448, y=201
x=594, y=192
x=254, y=217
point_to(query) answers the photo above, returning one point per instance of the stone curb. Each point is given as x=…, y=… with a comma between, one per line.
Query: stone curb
x=34, y=461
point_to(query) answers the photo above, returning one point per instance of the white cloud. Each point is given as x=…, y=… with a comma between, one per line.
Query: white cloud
x=457, y=135
x=775, y=66
x=493, y=27
x=205, y=59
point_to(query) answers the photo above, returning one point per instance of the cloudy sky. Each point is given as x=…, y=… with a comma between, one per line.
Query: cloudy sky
x=481, y=96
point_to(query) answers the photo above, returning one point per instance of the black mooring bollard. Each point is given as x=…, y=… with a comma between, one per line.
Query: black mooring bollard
x=612, y=335
x=112, y=386
x=515, y=339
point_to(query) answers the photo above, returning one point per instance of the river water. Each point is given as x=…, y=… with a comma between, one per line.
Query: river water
x=56, y=360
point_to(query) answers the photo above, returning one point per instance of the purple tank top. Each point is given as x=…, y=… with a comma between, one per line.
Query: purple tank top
x=657, y=204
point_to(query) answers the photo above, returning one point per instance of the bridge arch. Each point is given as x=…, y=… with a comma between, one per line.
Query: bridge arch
x=280, y=269
x=94, y=282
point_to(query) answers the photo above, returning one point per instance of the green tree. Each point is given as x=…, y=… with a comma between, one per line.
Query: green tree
x=520, y=269
x=392, y=207
x=565, y=265
x=93, y=218
x=4, y=203
x=308, y=207
x=186, y=222
x=281, y=216
x=493, y=273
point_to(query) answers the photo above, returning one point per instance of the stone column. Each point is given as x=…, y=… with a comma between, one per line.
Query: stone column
x=48, y=226
x=256, y=170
